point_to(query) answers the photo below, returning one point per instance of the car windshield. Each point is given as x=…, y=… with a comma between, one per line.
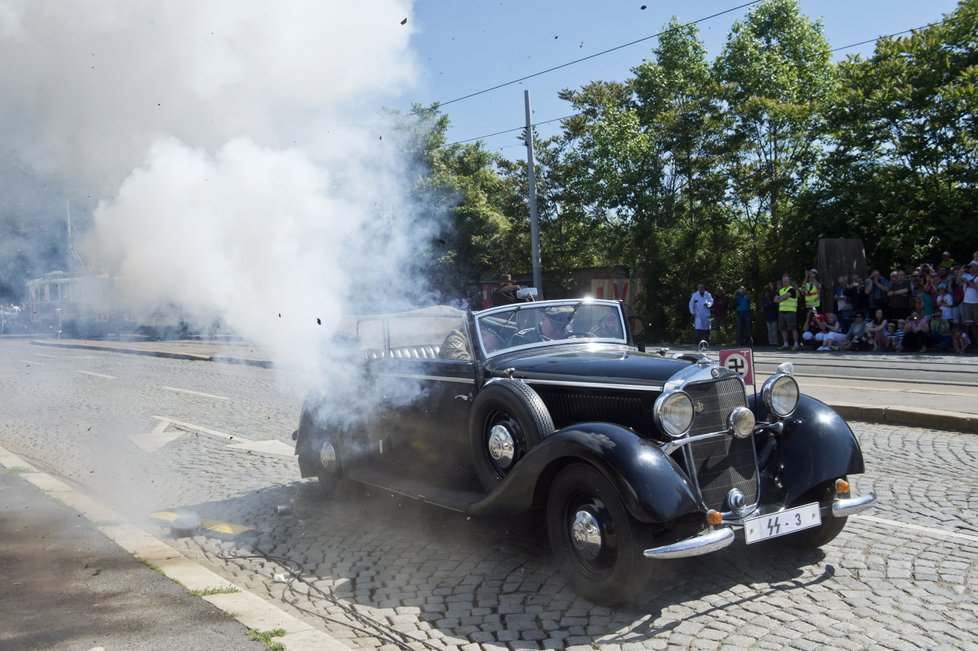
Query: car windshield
x=548, y=322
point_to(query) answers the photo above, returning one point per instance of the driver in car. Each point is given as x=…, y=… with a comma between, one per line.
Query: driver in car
x=552, y=326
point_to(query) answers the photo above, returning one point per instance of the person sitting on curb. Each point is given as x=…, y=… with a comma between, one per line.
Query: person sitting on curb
x=876, y=329
x=814, y=325
x=916, y=333
x=959, y=338
x=857, y=337
x=893, y=336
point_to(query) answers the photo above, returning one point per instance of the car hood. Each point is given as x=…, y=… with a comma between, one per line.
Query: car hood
x=592, y=364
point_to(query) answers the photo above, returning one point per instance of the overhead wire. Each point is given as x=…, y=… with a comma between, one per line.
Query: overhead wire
x=595, y=55
x=906, y=31
x=543, y=122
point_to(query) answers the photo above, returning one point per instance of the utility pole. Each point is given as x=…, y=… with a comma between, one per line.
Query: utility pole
x=532, y=197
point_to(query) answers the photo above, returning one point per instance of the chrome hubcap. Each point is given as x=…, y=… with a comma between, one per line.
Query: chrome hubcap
x=586, y=535
x=327, y=454
x=501, y=446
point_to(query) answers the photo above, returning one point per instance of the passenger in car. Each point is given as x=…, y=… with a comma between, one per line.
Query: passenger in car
x=455, y=346
x=608, y=326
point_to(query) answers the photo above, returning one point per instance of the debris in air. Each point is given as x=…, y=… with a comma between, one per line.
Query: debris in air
x=404, y=22
x=319, y=321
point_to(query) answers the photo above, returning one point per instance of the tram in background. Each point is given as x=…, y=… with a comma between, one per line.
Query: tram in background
x=91, y=305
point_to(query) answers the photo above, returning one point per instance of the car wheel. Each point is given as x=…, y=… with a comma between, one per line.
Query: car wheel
x=327, y=461
x=596, y=543
x=330, y=473
x=508, y=419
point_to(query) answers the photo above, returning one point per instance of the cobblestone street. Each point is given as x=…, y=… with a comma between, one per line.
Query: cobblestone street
x=379, y=571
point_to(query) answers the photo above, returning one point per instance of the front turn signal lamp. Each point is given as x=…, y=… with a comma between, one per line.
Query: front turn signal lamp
x=714, y=517
x=841, y=487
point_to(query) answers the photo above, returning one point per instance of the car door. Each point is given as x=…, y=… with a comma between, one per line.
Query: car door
x=422, y=424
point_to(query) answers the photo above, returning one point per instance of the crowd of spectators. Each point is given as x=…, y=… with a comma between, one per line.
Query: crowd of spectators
x=926, y=307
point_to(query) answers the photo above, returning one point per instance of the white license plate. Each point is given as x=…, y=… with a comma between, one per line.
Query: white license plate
x=782, y=523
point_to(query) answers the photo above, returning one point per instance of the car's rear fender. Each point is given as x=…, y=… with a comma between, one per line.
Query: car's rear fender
x=653, y=487
x=815, y=447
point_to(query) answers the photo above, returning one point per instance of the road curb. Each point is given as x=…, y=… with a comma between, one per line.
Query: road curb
x=923, y=418
x=155, y=352
x=248, y=608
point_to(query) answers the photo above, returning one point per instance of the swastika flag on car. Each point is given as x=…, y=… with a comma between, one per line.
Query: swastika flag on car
x=739, y=360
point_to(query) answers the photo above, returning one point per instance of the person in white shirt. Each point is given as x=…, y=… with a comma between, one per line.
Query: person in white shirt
x=699, y=307
x=969, y=306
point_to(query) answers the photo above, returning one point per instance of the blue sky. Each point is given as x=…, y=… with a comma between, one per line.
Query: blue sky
x=464, y=46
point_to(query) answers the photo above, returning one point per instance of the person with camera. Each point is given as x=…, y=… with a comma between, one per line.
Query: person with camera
x=812, y=290
x=787, y=300
x=916, y=333
x=743, y=310
x=876, y=289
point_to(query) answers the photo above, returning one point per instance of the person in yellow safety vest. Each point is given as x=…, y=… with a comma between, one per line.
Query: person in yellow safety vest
x=813, y=290
x=787, y=300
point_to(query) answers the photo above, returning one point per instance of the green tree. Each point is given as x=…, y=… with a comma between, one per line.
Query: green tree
x=777, y=76
x=472, y=188
x=902, y=170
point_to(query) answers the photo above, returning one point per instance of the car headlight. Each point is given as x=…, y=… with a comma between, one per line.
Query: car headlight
x=780, y=394
x=674, y=413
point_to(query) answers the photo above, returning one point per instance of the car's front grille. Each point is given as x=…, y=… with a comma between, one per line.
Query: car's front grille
x=723, y=462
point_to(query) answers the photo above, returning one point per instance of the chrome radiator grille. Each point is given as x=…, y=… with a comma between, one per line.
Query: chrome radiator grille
x=723, y=462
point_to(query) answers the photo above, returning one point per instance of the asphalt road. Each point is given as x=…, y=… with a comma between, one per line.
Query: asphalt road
x=144, y=434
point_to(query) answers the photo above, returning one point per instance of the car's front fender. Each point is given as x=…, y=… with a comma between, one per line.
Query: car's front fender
x=652, y=486
x=815, y=446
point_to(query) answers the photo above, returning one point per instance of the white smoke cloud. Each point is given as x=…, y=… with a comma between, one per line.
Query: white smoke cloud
x=235, y=149
x=92, y=83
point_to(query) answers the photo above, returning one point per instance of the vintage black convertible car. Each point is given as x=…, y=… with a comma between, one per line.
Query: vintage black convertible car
x=634, y=456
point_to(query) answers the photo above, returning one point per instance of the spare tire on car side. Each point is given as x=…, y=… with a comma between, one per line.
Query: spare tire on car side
x=507, y=419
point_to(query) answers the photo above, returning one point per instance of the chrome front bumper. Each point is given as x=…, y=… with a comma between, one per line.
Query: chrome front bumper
x=702, y=543
x=712, y=540
x=845, y=506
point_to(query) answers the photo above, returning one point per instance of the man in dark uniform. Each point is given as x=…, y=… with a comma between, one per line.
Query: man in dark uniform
x=552, y=326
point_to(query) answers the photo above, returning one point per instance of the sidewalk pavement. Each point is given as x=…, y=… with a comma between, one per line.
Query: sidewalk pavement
x=64, y=585
x=928, y=405
x=75, y=576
